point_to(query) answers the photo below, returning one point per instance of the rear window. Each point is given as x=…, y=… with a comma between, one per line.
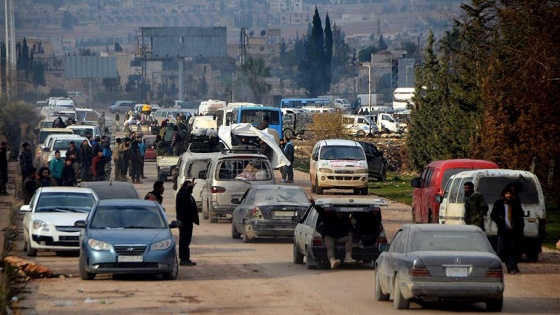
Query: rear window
x=115, y=192
x=281, y=195
x=491, y=188
x=244, y=169
x=339, y=152
x=450, y=241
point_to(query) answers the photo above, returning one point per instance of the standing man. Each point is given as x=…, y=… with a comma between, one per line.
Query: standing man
x=289, y=153
x=98, y=166
x=3, y=168
x=55, y=166
x=85, y=156
x=30, y=185
x=117, y=121
x=116, y=158
x=101, y=121
x=507, y=213
x=157, y=193
x=124, y=158
x=142, y=147
x=475, y=206
x=25, y=160
x=187, y=213
x=134, y=157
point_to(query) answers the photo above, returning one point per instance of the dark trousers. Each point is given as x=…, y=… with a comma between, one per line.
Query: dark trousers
x=85, y=173
x=289, y=169
x=509, y=248
x=185, y=237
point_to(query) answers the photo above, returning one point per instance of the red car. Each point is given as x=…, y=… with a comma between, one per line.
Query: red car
x=151, y=154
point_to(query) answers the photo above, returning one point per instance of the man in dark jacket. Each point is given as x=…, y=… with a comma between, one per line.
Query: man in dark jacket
x=187, y=213
x=475, y=206
x=289, y=153
x=85, y=156
x=25, y=160
x=30, y=185
x=507, y=213
x=156, y=194
x=336, y=227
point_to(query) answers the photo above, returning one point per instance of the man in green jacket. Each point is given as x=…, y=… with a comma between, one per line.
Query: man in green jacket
x=475, y=206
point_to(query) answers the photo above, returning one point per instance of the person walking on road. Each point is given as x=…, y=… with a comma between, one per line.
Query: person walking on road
x=55, y=166
x=117, y=121
x=187, y=213
x=475, y=206
x=289, y=153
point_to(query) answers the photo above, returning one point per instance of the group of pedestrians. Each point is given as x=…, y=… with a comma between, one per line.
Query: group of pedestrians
x=128, y=158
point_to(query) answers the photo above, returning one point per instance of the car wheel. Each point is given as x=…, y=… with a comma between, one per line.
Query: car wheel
x=430, y=217
x=532, y=253
x=383, y=175
x=31, y=252
x=172, y=275
x=318, y=189
x=246, y=238
x=399, y=302
x=313, y=187
x=357, y=191
x=495, y=305
x=213, y=219
x=298, y=257
x=288, y=133
x=310, y=263
x=83, y=272
x=234, y=233
x=204, y=211
x=361, y=133
x=379, y=295
x=364, y=191
x=414, y=216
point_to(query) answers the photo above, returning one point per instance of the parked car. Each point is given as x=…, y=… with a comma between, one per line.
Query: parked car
x=267, y=210
x=82, y=130
x=377, y=163
x=123, y=236
x=48, y=223
x=112, y=189
x=425, y=208
x=308, y=241
x=151, y=153
x=122, y=107
x=433, y=262
x=229, y=176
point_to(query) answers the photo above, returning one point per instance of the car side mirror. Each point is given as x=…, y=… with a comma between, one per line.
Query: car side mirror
x=416, y=182
x=439, y=198
x=25, y=208
x=46, y=150
x=235, y=201
x=80, y=224
x=175, y=224
x=202, y=174
x=314, y=157
x=296, y=219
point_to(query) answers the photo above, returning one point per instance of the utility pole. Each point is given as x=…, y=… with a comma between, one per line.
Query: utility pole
x=369, y=99
x=10, y=44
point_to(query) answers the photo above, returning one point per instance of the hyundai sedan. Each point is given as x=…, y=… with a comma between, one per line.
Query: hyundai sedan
x=127, y=236
x=433, y=262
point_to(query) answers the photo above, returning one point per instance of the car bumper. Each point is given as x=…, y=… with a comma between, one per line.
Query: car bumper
x=222, y=210
x=70, y=242
x=347, y=181
x=467, y=291
x=368, y=253
x=152, y=262
x=270, y=228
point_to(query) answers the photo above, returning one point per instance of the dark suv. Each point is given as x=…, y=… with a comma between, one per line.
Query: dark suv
x=308, y=241
x=377, y=163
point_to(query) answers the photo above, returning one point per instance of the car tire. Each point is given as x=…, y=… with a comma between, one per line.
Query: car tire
x=313, y=187
x=430, y=216
x=532, y=252
x=399, y=302
x=234, y=233
x=204, y=211
x=378, y=294
x=495, y=305
x=172, y=275
x=288, y=133
x=318, y=189
x=361, y=133
x=364, y=191
x=212, y=219
x=357, y=191
x=246, y=238
x=310, y=263
x=30, y=251
x=83, y=272
x=298, y=257
x=383, y=175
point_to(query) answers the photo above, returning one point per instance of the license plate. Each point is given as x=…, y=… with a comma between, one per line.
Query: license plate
x=459, y=272
x=284, y=213
x=130, y=258
x=350, y=209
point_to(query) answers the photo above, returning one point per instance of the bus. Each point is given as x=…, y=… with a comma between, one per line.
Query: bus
x=301, y=102
x=255, y=115
x=224, y=116
x=402, y=98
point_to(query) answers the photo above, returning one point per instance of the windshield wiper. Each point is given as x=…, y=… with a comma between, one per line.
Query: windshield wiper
x=63, y=209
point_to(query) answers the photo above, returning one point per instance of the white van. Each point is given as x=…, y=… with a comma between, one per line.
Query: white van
x=339, y=164
x=60, y=103
x=83, y=130
x=490, y=183
x=358, y=125
x=210, y=106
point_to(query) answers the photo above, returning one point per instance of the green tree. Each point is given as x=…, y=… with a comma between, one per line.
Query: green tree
x=256, y=72
x=342, y=55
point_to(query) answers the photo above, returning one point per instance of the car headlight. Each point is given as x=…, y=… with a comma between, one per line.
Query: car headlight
x=361, y=171
x=98, y=245
x=40, y=225
x=161, y=245
x=325, y=170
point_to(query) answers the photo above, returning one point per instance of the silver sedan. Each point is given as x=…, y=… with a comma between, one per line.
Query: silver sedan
x=432, y=263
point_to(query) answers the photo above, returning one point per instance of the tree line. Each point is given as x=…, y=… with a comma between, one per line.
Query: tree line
x=489, y=88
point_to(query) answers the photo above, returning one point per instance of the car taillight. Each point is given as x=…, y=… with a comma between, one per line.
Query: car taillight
x=418, y=271
x=495, y=272
x=381, y=239
x=256, y=213
x=317, y=241
x=217, y=189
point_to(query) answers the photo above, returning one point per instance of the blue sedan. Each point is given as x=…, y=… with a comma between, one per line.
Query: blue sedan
x=127, y=236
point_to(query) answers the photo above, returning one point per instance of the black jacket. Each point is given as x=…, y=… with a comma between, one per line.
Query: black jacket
x=185, y=206
x=498, y=216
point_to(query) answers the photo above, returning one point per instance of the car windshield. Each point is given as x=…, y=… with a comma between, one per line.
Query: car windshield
x=450, y=241
x=273, y=196
x=342, y=153
x=245, y=169
x=63, y=144
x=115, y=192
x=65, y=202
x=128, y=217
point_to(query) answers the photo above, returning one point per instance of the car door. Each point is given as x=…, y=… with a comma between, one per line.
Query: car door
x=394, y=255
x=242, y=210
x=375, y=160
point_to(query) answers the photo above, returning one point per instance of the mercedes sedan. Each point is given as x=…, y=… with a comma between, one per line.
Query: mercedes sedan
x=127, y=236
x=433, y=262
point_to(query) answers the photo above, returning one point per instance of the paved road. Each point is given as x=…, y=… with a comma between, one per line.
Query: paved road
x=237, y=278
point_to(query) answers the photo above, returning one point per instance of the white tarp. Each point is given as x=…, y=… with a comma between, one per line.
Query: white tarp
x=278, y=158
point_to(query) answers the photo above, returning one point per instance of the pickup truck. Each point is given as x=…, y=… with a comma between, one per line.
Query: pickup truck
x=165, y=166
